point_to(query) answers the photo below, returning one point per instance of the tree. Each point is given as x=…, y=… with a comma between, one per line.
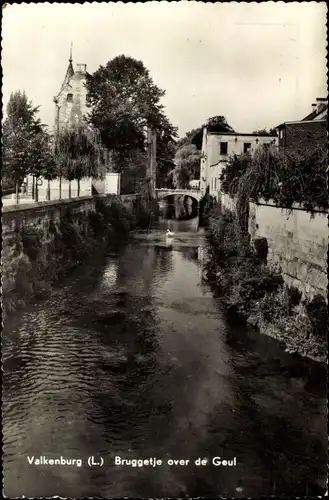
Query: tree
x=194, y=136
x=165, y=153
x=286, y=177
x=231, y=173
x=25, y=141
x=15, y=161
x=302, y=179
x=124, y=101
x=76, y=155
x=131, y=164
x=264, y=132
x=187, y=167
x=214, y=124
x=187, y=150
x=42, y=161
x=20, y=110
x=218, y=124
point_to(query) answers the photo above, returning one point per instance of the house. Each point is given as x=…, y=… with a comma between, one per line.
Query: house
x=71, y=107
x=217, y=147
x=308, y=132
x=70, y=111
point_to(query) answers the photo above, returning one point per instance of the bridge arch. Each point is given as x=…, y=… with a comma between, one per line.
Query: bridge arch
x=163, y=193
x=194, y=195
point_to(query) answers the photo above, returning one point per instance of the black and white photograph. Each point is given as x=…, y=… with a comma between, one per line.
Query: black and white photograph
x=164, y=188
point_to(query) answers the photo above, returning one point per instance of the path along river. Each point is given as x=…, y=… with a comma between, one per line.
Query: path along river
x=133, y=357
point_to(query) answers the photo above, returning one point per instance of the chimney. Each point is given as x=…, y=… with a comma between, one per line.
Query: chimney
x=314, y=107
x=81, y=68
x=321, y=103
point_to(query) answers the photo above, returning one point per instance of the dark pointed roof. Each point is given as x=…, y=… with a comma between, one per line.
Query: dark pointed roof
x=316, y=113
x=70, y=70
x=69, y=73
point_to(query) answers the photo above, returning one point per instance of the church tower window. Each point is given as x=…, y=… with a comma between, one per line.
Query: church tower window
x=69, y=97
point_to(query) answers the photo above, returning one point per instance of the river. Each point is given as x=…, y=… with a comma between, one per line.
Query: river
x=133, y=357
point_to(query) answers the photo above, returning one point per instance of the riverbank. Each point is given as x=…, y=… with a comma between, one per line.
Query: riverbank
x=43, y=244
x=249, y=289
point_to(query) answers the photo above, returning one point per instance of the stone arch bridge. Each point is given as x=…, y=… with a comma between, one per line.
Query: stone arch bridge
x=164, y=192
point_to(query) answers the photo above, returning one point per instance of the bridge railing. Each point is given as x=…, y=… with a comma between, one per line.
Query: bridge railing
x=164, y=192
x=178, y=190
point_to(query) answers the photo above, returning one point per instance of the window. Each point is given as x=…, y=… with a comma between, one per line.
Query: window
x=69, y=97
x=223, y=148
x=246, y=146
x=215, y=183
x=212, y=183
x=281, y=134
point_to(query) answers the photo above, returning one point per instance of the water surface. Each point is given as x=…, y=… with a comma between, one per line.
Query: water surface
x=133, y=357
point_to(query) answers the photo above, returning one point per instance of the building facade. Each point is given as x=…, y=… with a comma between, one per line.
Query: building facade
x=71, y=106
x=308, y=132
x=71, y=101
x=217, y=147
x=71, y=110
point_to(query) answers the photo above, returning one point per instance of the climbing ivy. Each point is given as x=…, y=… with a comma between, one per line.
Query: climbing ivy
x=286, y=177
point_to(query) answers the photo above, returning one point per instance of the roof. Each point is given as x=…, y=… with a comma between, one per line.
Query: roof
x=312, y=116
x=301, y=121
x=242, y=134
x=71, y=75
x=68, y=75
x=315, y=113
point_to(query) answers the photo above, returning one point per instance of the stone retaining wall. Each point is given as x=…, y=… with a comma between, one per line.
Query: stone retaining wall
x=42, y=240
x=297, y=242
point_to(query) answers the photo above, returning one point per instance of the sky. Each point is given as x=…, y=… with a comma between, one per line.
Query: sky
x=256, y=64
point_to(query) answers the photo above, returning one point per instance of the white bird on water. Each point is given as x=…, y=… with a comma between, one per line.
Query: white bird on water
x=169, y=234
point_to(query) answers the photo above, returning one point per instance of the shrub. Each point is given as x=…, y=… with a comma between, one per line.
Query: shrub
x=41, y=289
x=206, y=207
x=30, y=270
x=261, y=249
x=273, y=305
x=97, y=223
x=294, y=297
x=235, y=270
x=285, y=176
x=258, y=294
x=317, y=312
x=145, y=212
x=231, y=173
x=22, y=267
x=227, y=238
x=119, y=217
x=32, y=242
x=115, y=215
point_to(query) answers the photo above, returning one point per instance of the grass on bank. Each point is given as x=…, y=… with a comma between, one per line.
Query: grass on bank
x=239, y=274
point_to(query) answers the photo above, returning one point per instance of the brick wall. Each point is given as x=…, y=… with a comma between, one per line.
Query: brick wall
x=303, y=135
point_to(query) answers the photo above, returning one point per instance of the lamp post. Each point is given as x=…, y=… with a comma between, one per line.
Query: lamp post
x=56, y=145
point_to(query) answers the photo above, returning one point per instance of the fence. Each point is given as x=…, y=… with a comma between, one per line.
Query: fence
x=85, y=188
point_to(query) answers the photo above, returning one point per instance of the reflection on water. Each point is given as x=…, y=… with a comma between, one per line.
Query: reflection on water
x=179, y=207
x=178, y=226
x=133, y=357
